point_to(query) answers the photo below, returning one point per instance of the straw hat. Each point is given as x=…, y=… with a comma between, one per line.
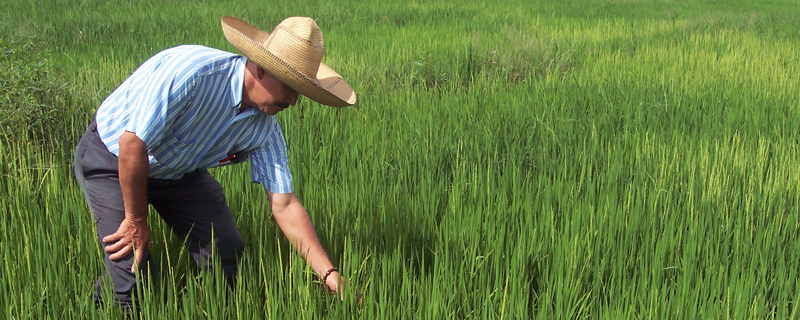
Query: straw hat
x=293, y=54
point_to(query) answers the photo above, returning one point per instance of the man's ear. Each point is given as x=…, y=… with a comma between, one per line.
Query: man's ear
x=260, y=73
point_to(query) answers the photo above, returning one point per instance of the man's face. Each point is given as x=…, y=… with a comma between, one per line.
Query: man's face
x=269, y=94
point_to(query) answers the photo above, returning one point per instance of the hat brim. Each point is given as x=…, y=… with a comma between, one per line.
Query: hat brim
x=326, y=87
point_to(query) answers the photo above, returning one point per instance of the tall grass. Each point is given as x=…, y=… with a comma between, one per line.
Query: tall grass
x=507, y=159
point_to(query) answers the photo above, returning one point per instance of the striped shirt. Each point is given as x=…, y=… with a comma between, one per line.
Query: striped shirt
x=184, y=104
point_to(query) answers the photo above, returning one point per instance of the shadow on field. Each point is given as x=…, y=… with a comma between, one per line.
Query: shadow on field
x=401, y=239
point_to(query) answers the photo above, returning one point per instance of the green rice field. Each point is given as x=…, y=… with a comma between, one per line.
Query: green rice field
x=576, y=159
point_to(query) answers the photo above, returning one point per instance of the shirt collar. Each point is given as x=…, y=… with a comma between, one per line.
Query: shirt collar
x=237, y=83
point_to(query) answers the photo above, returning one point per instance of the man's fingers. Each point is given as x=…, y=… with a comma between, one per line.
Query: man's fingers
x=114, y=237
x=121, y=253
x=113, y=247
x=137, y=258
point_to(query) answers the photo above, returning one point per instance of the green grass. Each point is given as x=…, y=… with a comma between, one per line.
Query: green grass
x=506, y=159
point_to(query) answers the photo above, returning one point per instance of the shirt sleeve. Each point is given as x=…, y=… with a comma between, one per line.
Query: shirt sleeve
x=158, y=102
x=269, y=165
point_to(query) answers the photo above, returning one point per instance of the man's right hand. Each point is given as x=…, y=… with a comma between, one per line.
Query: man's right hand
x=131, y=235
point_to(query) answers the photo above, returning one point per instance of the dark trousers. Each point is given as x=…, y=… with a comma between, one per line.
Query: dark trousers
x=194, y=207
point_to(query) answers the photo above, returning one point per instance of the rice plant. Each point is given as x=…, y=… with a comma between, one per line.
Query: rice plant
x=506, y=159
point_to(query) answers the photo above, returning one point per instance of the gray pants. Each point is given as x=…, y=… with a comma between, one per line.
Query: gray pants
x=194, y=207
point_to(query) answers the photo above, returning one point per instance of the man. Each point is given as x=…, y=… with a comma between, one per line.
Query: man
x=190, y=108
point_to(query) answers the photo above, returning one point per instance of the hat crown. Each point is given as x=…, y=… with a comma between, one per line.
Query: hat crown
x=298, y=42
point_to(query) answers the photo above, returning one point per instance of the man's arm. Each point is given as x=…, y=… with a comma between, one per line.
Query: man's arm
x=133, y=233
x=293, y=220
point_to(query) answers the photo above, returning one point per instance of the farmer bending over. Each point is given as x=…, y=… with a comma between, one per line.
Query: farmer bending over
x=190, y=108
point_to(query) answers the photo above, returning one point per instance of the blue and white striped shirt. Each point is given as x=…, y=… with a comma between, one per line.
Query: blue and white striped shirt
x=184, y=104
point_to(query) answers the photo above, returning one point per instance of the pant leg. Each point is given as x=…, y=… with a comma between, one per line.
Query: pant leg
x=196, y=210
x=96, y=170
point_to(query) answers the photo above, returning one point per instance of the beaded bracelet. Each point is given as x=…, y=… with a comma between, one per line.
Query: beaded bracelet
x=325, y=277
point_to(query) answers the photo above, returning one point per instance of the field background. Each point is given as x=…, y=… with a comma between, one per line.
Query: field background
x=506, y=159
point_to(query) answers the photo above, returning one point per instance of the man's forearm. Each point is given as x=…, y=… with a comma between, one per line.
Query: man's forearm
x=297, y=227
x=133, y=170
